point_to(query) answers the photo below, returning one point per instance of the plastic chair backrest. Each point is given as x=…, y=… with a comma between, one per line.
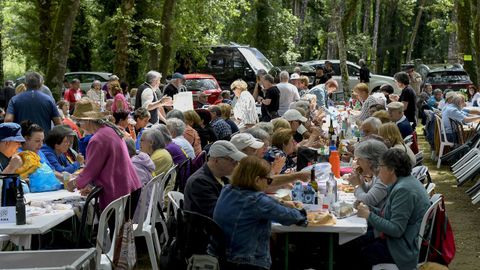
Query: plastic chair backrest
x=183, y=172
x=169, y=176
x=148, y=195
x=443, y=134
x=117, y=209
x=428, y=218
x=457, y=129
x=176, y=201
x=92, y=196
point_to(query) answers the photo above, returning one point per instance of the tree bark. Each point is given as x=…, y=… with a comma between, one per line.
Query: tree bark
x=452, y=42
x=2, y=76
x=342, y=51
x=45, y=16
x=60, y=46
x=331, y=40
x=120, y=61
x=366, y=22
x=415, y=30
x=301, y=15
x=375, y=36
x=476, y=35
x=464, y=28
x=166, y=35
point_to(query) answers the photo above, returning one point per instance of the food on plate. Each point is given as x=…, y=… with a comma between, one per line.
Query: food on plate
x=284, y=194
x=321, y=218
x=345, y=210
x=31, y=162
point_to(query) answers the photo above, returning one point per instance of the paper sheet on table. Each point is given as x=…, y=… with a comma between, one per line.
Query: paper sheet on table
x=183, y=101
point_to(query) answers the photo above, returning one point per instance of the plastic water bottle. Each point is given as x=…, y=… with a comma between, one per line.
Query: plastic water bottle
x=332, y=195
x=309, y=195
x=297, y=192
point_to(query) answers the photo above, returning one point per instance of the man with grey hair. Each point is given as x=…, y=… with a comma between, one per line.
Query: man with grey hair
x=176, y=128
x=222, y=129
x=453, y=111
x=395, y=111
x=175, y=85
x=33, y=105
x=288, y=93
x=147, y=97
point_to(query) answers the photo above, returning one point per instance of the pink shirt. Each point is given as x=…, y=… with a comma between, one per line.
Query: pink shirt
x=109, y=166
x=122, y=98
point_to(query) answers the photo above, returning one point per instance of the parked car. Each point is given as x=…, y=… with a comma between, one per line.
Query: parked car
x=231, y=62
x=353, y=76
x=86, y=78
x=446, y=77
x=203, y=83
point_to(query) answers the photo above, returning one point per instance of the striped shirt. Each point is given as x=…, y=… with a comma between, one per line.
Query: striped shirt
x=365, y=113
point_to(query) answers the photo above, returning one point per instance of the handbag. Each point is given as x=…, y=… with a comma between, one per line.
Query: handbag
x=43, y=179
x=125, y=253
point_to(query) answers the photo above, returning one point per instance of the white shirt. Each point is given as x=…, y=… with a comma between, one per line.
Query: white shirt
x=185, y=145
x=288, y=94
x=147, y=96
x=245, y=110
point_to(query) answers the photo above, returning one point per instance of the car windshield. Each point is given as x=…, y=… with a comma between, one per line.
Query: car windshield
x=447, y=77
x=200, y=84
x=256, y=59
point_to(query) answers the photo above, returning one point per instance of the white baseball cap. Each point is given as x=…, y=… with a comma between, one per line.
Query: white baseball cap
x=224, y=148
x=294, y=115
x=294, y=76
x=244, y=140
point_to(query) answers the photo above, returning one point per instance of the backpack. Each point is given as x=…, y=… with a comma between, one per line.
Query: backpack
x=442, y=241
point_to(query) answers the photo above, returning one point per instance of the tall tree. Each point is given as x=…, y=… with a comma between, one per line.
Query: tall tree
x=60, y=46
x=476, y=35
x=1, y=44
x=415, y=30
x=339, y=9
x=465, y=42
x=366, y=22
x=45, y=12
x=375, y=36
x=166, y=35
x=123, y=31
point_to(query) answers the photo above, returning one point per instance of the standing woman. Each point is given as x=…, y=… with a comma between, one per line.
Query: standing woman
x=361, y=91
x=245, y=110
x=119, y=101
x=108, y=164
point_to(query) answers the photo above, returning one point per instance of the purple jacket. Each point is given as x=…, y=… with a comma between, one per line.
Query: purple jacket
x=178, y=155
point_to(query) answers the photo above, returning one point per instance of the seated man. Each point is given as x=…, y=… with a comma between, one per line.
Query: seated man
x=395, y=110
x=453, y=111
x=203, y=187
x=435, y=99
x=10, y=140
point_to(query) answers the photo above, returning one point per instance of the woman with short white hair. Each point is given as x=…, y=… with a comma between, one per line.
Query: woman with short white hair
x=245, y=110
x=176, y=128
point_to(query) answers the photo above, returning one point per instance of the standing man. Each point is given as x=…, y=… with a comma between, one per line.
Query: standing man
x=73, y=94
x=33, y=105
x=174, y=86
x=414, y=78
x=271, y=102
x=320, y=77
x=329, y=72
x=364, y=72
x=147, y=98
x=407, y=97
x=288, y=92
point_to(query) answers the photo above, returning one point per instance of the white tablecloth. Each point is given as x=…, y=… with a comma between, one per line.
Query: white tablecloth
x=21, y=235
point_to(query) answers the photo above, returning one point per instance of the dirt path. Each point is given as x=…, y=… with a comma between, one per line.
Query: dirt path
x=463, y=215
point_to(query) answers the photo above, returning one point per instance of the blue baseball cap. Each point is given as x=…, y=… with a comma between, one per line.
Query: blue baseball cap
x=11, y=132
x=177, y=75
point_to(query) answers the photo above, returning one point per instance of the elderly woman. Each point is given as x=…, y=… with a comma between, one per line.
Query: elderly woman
x=361, y=90
x=396, y=225
x=454, y=111
x=109, y=164
x=178, y=154
x=391, y=134
x=370, y=126
x=152, y=143
x=368, y=187
x=96, y=93
x=177, y=128
x=245, y=110
x=57, y=144
x=226, y=115
x=190, y=134
x=283, y=146
x=245, y=214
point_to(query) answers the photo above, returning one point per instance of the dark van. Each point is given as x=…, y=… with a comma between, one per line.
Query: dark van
x=228, y=63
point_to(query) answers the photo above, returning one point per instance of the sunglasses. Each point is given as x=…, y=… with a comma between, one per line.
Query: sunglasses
x=269, y=179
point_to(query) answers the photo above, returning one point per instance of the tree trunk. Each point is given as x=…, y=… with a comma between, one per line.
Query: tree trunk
x=1, y=45
x=262, y=38
x=153, y=63
x=302, y=12
x=331, y=40
x=375, y=36
x=366, y=22
x=166, y=35
x=120, y=61
x=464, y=28
x=45, y=17
x=342, y=51
x=60, y=45
x=452, y=42
x=415, y=30
x=476, y=35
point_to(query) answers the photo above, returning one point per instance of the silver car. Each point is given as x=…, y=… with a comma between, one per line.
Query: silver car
x=87, y=77
x=353, y=76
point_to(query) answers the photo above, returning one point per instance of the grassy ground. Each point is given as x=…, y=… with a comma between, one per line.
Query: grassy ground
x=464, y=216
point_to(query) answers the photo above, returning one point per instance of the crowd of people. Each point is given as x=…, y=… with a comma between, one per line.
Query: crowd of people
x=120, y=138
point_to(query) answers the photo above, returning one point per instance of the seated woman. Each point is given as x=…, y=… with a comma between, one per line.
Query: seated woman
x=368, y=187
x=176, y=128
x=226, y=115
x=397, y=225
x=152, y=143
x=282, y=146
x=191, y=135
x=245, y=214
x=205, y=130
x=57, y=144
x=393, y=138
x=178, y=154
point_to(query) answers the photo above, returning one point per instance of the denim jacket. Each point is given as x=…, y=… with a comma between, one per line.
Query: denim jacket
x=245, y=217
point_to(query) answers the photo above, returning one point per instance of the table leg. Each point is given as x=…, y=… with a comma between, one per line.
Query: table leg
x=286, y=251
x=330, y=251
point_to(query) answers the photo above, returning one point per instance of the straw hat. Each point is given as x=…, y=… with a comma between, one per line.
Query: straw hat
x=85, y=109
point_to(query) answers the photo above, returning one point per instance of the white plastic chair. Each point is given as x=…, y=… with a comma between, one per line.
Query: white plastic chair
x=117, y=209
x=147, y=215
x=167, y=178
x=429, y=216
x=176, y=199
x=443, y=139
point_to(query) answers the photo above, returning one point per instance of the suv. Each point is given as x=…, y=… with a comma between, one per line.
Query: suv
x=353, y=76
x=228, y=63
x=446, y=77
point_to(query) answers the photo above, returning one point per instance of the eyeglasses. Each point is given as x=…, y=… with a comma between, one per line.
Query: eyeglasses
x=269, y=179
